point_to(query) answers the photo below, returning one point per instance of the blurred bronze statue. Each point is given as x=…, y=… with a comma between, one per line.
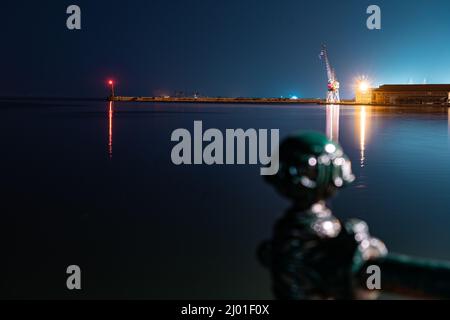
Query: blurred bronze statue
x=313, y=255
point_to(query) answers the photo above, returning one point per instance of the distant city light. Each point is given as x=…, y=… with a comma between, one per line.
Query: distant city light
x=294, y=98
x=363, y=86
x=111, y=84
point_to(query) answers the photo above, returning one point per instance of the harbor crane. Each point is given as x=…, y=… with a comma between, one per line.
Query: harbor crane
x=333, y=84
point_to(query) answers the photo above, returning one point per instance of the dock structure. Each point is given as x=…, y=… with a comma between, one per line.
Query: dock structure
x=215, y=100
x=283, y=101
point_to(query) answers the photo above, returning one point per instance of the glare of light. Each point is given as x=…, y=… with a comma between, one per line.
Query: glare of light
x=294, y=98
x=312, y=162
x=110, y=82
x=328, y=226
x=365, y=244
x=317, y=207
x=338, y=182
x=339, y=161
x=363, y=86
x=330, y=148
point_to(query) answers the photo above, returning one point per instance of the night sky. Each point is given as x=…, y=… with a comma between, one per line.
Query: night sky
x=218, y=47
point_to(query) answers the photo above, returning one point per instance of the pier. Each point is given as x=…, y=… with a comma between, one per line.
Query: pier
x=214, y=100
x=287, y=101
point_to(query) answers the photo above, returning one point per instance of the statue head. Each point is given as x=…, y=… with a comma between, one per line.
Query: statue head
x=312, y=168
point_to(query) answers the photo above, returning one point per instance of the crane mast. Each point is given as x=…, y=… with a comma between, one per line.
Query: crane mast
x=333, y=84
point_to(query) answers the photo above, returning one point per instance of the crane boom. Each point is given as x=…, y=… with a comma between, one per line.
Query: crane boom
x=324, y=54
x=333, y=84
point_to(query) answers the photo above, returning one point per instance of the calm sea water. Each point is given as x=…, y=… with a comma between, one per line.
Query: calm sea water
x=82, y=185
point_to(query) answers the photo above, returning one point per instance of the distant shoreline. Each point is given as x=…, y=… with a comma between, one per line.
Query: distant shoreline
x=221, y=100
x=31, y=98
x=288, y=101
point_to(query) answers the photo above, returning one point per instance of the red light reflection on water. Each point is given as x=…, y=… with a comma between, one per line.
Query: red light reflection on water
x=110, y=131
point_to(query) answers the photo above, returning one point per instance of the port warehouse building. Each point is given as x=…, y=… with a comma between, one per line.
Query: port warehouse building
x=406, y=94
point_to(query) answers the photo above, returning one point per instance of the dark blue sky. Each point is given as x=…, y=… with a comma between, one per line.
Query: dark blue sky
x=218, y=47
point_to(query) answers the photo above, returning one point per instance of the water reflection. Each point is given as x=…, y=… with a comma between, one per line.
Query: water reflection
x=333, y=122
x=448, y=125
x=362, y=116
x=110, y=129
x=362, y=134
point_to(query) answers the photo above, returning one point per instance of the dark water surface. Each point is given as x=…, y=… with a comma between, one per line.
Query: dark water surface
x=80, y=185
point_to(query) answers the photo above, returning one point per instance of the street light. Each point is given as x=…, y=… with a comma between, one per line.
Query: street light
x=363, y=90
x=363, y=86
x=111, y=84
